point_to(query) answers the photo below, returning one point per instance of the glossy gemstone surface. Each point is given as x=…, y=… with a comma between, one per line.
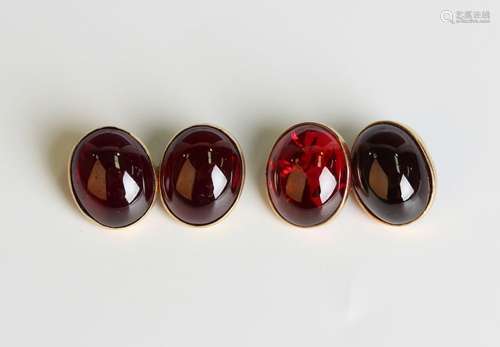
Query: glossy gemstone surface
x=112, y=177
x=308, y=174
x=201, y=175
x=392, y=174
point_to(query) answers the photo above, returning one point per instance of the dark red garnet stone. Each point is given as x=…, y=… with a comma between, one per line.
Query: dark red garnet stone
x=392, y=173
x=308, y=174
x=112, y=177
x=201, y=175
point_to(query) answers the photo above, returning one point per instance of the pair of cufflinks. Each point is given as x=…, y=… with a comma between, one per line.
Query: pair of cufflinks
x=309, y=175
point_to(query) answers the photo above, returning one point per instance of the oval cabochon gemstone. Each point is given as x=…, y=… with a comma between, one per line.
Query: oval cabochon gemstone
x=201, y=175
x=112, y=177
x=393, y=175
x=308, y=175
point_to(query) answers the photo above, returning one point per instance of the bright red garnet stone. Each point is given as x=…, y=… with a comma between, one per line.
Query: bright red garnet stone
x=201, y=175
x=112, y=177
x=308, y=174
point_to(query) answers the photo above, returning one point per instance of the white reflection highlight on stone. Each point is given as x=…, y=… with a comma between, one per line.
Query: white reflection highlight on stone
x=406, y=188
x=131, y=187
x=327, y=183
x=219, y=181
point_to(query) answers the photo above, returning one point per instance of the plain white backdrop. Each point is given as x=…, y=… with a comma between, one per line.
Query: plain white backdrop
x=254, y=68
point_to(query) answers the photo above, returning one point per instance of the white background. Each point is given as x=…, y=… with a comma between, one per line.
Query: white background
x=254, y=68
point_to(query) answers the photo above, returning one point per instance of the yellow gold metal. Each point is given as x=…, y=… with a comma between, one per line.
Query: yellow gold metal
x=92, y=220
x=243, y=176
x=347, y=156
x=428, y=160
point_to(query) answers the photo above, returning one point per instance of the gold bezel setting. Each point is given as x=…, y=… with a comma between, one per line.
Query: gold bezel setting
x=70, y=183
x=347, y=157
x=243, y=177
x=432, y=173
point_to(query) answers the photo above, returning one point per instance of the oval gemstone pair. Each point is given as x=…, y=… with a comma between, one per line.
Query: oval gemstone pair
x=114, y=182
x=309, y=174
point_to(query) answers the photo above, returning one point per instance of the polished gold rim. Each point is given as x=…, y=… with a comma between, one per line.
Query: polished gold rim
x=87, y=216
x=243, y=177
x=345, y=150
x=430, y=164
